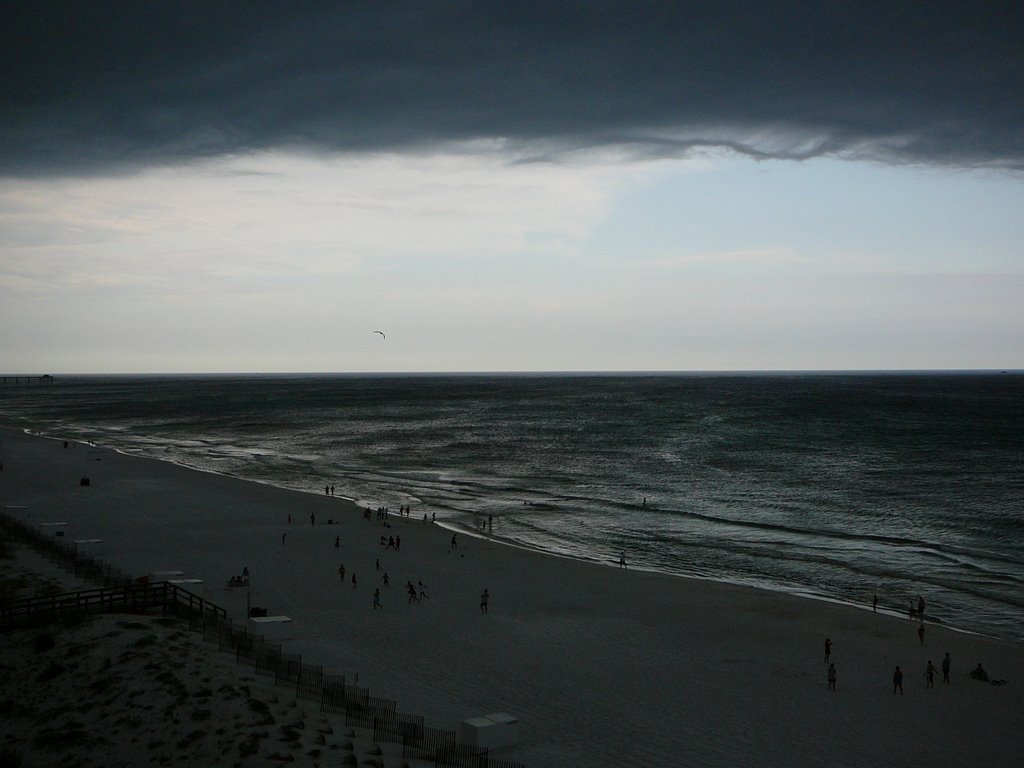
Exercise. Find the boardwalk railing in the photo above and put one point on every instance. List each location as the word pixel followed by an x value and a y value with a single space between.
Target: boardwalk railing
pixel 332 693
pixel 128 598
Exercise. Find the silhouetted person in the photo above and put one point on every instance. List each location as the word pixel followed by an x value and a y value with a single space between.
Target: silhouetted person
pixel 312 519
pixel 376 599
pixel 978 673
pixel 874 603
pixel 920 634
pixel 929 674
pixel 897 681
pixel 828 649
pixel 485 598
pixel 831 677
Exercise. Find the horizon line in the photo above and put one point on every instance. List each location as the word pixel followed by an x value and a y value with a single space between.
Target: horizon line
pixel 544 372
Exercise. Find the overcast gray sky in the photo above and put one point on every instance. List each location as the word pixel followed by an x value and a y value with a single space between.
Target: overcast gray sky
pixel 511 186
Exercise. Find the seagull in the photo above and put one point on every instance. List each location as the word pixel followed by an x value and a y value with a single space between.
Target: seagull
pixel 380 332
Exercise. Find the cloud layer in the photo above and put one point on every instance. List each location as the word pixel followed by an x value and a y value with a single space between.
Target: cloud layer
pixel 91 87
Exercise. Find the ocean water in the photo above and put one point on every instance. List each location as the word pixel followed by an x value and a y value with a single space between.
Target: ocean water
pixel 834 486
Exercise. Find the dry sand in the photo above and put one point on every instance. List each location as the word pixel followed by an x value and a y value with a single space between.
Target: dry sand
pixel 140 690
pixel 602 666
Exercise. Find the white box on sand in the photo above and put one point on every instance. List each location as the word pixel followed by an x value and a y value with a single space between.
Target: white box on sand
pixel 492 731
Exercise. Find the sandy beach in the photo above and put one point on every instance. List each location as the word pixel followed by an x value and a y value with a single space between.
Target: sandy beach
pixel 602 666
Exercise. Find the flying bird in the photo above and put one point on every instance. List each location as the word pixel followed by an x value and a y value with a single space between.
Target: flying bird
pixel 380 332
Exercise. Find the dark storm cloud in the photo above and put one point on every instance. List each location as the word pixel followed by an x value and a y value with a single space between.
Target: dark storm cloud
pixel 92 86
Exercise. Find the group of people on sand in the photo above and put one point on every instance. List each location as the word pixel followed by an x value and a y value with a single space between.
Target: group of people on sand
pixel 930 671
pixel 929 675
pixel 416 592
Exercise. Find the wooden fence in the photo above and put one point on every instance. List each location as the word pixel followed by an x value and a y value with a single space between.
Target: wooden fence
pixel 128 598
pixel 332 693
pixel 64 552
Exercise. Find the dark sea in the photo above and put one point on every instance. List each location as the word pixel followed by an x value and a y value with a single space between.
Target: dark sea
pixel 833 486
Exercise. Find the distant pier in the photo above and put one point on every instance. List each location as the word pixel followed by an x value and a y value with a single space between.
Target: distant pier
pixel 6 379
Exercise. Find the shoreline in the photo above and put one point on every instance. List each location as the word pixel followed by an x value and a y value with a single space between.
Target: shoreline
pixel 601 666
pixel 465 529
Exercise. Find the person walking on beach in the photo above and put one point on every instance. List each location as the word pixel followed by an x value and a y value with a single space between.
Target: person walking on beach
pixel 920 633
pixel 831 677
pixel 341 572
pixel 387 581
pixel 411 590
pixel 828 649
pixel 354 581
pixel 946 664
pixel 874 603
pixel 423 591
pixel 378 563
pixel 337 541
pixel 284 536
pixel 622 559
pixel 920 608
pixel 454 544
pixel 929 675
pixel 376 599
pixel 897 681
pixel 484 599
pixel 312 519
